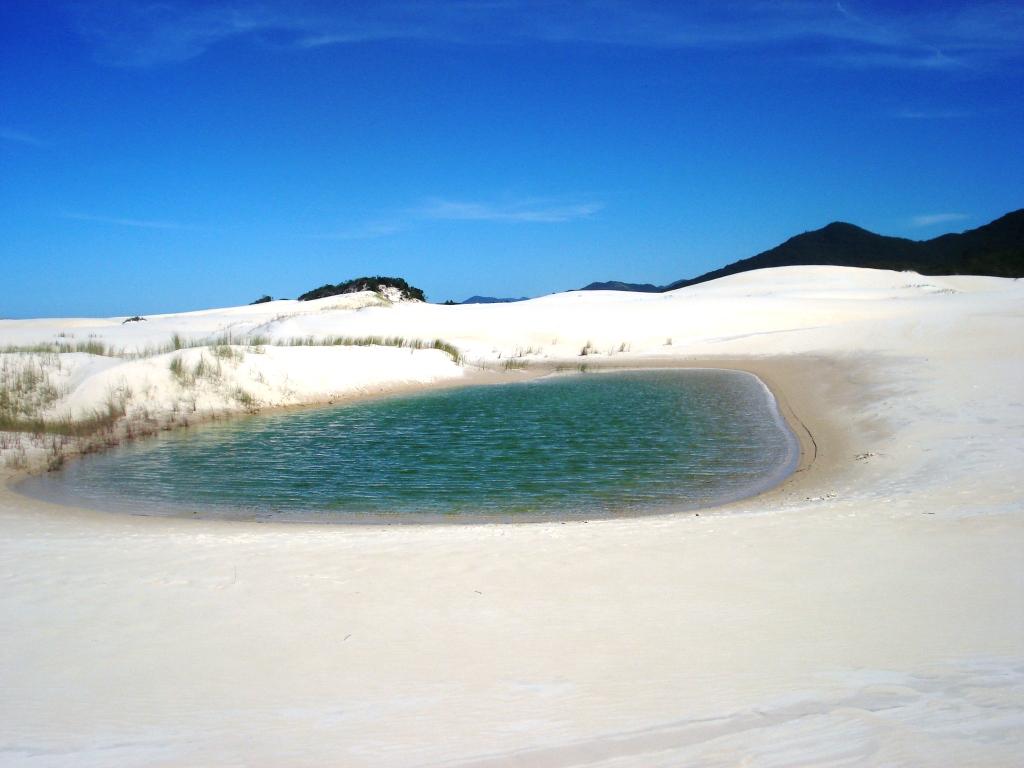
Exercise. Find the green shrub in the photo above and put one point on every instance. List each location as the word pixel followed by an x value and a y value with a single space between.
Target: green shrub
pixel 364 284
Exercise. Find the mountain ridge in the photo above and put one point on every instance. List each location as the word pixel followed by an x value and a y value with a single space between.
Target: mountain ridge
pixel 995 249
pixel 492 300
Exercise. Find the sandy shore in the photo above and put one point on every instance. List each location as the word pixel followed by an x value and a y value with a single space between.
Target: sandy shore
pixel 30 483
pixel 867 612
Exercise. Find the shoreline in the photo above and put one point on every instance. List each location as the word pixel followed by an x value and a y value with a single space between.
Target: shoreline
pixel 766 373
pixel 864 612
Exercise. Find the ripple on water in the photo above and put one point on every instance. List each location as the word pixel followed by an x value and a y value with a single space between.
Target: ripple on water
pixel 585 445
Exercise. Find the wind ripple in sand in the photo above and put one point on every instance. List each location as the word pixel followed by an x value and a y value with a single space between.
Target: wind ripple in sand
pixel 956 715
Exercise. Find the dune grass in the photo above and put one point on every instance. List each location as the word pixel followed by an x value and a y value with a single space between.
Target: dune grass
pixel 204 368
pixel 90 347
pixel 84 426
pixel 579 368
pixel 99 420
pixel 371 341
pixel 246 399
pixel 28 389
pixel 225 345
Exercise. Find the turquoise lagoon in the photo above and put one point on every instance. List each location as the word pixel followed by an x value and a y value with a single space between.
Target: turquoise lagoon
pixel 563 446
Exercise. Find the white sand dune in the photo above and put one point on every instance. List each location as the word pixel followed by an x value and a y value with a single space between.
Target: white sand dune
pixel 868 612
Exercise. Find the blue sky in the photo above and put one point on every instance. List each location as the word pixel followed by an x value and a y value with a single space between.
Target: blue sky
pixel 165 156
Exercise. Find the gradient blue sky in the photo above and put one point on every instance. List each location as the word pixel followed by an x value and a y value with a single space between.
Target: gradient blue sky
pixel 165 156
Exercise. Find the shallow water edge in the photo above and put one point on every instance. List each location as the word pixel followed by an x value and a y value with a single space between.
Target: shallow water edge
pixel 796 454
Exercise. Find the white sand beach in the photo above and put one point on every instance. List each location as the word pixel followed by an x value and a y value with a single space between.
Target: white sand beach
pixel 870 611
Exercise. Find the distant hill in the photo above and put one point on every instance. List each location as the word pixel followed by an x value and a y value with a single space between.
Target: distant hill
pixel 994 249
pixel 490 300
pixel 616 285
pixel 398 286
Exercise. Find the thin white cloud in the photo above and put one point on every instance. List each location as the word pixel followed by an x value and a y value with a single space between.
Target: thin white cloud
pixel 132 34
pixel 368 231
pixel 931 114
pixel 123 222
pixel 142 34
pixel 533 210
pixel 845 33
pixel 521 211
pixel 910 58
pixel 20 137
pixel 931 219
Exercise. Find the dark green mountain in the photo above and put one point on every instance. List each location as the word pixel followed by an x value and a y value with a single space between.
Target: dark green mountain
pixel 994 249
pixel 616 285
pixel 491 300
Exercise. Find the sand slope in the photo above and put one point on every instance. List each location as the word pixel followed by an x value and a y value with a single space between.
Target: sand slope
pixel 868 613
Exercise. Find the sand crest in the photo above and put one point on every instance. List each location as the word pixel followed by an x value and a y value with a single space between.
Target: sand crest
pixel 869 611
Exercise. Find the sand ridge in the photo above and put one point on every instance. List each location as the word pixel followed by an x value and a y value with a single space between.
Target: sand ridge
pixel 866 612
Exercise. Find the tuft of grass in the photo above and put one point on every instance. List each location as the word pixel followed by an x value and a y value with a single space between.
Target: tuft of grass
pixel 227 352
pixel 526 351
pixel 579 368
pixel 26 387
pixel 588 349
pixel 55 459
pixel 210 370
pixel 513 364
pixel 16 459
pixel 180 372
pixel 205 368
pixel 450 349
pixel 245 399
pixel 91 347
pixel 372 341
pixel 99 421
pixel 223 345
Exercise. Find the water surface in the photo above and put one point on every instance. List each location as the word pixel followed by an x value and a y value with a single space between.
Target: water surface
pixel 566 446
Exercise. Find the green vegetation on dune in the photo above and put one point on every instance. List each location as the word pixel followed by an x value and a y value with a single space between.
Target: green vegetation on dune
pixel 28 388
pixel 371 341
pixel 365 284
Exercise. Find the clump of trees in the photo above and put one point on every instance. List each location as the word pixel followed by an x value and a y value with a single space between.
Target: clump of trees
pixel 365 284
